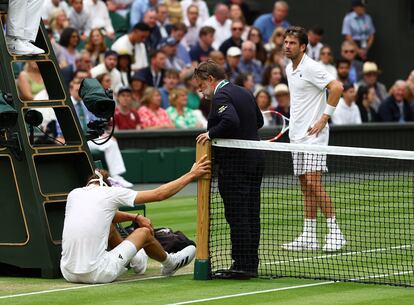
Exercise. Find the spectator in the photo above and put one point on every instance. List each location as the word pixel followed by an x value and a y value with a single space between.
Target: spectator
pixel 218 57
pixel 235 40
pixel 248 62
pixel 52 5
pixel 124 67
pixel 133 43
pixel 171 80
pixel 99 14
pixel 154 74
pixel 276 40
pixel 105 80
pixel 138 9
pixel 348 52
pixel 180 115
pixel 255 36
pixel 282 95
pixel 364 100
pixel 178 31
pixel 58 21
pixel 370 74
pixel 202 9
pixel 69 40
pixel 272 76
pixel 326 60
pixel 277 57
pixel 57 48
pixel 193 98
pixel 150 19
pixel 342 68
pixel 246 80
pixel 410 90
pixel 193 27
pixel 169 47
pixel 203 47
pixel 347 112
pixel 314 45
pixel 263 100
pixel 30 81
pixel 359 28
pixel 96 46
pixel 126 117
pixel 267 23
pixel 175 11
pixel 244 9
pixel 152 116
pixel 232 65
pixel 79 19
pixel 82 63
pixel 109 66
pixel 138 87
pixel 121 7
pixel 162 20
pixel 395 108
pixel 221 23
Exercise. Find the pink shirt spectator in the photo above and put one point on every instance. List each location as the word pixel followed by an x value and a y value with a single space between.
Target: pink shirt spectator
pixel 158 118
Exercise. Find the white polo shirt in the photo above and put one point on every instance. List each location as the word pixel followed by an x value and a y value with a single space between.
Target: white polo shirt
pixel 346 115
pixel 307 86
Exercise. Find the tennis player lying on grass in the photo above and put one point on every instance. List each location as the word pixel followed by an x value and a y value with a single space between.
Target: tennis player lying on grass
pixel 91 212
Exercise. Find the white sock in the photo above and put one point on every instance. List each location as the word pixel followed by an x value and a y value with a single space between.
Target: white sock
pixel 168 261
pixel 332 225
pixel 309 226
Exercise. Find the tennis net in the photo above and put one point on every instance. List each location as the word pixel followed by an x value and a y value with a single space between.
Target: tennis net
pixel 371 192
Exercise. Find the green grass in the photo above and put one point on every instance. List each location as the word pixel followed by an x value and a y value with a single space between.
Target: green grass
pixel 132 289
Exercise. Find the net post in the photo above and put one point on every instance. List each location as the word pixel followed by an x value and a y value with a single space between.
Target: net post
pixel 202 261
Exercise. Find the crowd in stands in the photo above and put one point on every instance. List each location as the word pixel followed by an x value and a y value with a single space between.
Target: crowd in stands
pixel 146 51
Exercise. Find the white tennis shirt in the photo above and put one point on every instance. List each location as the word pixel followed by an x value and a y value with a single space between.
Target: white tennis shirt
pixel 88 216
pixel 307 86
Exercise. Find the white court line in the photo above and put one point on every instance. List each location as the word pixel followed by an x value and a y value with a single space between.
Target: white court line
pixel 252 293
pixel 84 286
pixel 380 276
pixel 339 254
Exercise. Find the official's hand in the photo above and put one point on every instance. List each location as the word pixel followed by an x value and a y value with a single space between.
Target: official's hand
pixel 145 222
pixel 319 125
pixel 203 138
pixel 201 167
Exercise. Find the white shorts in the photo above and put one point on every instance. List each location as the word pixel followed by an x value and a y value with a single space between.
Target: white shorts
pixel 109 267
pixel 309 162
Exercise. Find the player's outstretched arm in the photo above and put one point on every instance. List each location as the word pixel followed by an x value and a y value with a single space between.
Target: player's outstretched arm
pixel 200 168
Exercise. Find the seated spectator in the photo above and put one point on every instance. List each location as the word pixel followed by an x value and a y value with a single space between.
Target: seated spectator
pixel 267 23
pixel 105 80
pixel 359 28
pixel 126 117
pixel 282 95
pixel 203 47
pixel 109 66
pixel 58 21
pixel 221 22
pixel 242 11
pixel 410 90
pixel 96 47
pixel 245 80
pixel 364 100
pixel 180 115
pixel 232 65
pixel 347 112
pixel 170 80
pixel 370 74
pixel 235 40
pixel 154 74
pixel 342 68
pixel 218 57
pixel 248 62
pixel 314 46
pixel 349 52
pixel 276 40
pixel 264 101
pixel 163 23
pixel 82 63
pixel 121 7
pixel 69 40
pixel 203 14
pixel 169 47
pixel 395 108
pixel 151 114
pixel 153 40
pixel 138 87
pixel 100 19
pixel 133 43
pixel 57 48
pixel 272 76
pixel 326 60
pixel 49 6
pixel 255 36
pixel 178 31
pixel 278 57
pixel 30 81
pixel 193 27
pixel 138 9
pixel 193 97
pixel 79 19
pixel 175 11
pixel 124 67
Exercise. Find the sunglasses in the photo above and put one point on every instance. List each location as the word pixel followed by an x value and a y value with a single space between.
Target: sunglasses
pixel 237 29
pixel 349 51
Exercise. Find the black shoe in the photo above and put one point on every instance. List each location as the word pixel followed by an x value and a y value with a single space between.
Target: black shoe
pixel 233 274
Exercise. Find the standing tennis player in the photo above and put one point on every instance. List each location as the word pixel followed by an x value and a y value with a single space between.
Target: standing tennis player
pixel 310 111
pixel 234 114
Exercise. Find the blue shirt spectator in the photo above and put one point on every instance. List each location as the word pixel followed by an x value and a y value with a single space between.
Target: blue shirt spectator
pixel 248 64
pixel 138 9
pixel 267 23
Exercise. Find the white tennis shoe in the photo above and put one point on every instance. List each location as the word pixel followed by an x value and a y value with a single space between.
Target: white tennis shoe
pixel 122 182
pixel 139 262
pixel 334 242
pixel 35 50
pixel 18 46
pixel 304 242
pixel 178 260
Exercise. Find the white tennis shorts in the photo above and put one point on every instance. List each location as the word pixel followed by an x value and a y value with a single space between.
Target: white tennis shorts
pixel 309 162
pixel 109 267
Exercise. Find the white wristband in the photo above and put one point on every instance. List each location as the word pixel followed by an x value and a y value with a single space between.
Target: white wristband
pixel 329 110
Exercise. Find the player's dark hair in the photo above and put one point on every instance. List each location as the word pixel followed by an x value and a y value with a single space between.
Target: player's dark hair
pixel 298 32
pixel 209 68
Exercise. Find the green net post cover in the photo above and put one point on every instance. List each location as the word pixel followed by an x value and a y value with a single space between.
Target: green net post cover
pixel 202 269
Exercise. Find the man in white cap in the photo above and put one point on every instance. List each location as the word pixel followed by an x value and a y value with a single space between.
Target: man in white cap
pixel 282 95
pixel 233 60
